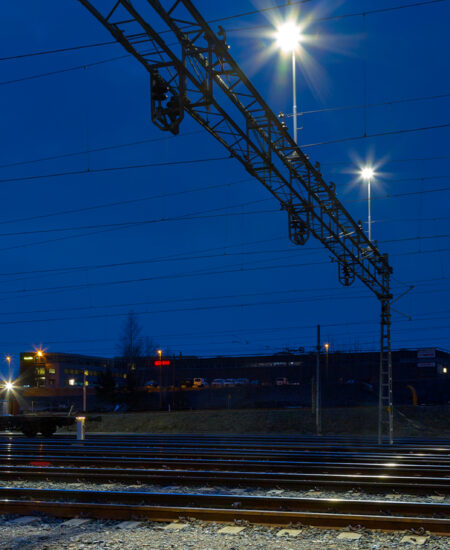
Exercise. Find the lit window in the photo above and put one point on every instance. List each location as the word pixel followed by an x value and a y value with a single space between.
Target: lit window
pixel 444 370
pixel 72 382
pixel 51 371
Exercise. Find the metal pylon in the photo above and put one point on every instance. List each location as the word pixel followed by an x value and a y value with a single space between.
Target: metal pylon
pixel 385 405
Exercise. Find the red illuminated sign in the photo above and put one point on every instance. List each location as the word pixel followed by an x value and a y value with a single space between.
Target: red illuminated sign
pixel 164 363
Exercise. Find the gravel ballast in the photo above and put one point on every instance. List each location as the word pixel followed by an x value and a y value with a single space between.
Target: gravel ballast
pixel 50 534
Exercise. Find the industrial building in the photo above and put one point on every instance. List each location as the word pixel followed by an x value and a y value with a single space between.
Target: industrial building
pixel 420 376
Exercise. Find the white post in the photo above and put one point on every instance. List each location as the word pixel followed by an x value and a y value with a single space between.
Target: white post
pixel 370 217
pixel 80 427
pixel 294 96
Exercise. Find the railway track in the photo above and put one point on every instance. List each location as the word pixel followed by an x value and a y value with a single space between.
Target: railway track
pixel 329 513
pixel 261 462
pixel 293 481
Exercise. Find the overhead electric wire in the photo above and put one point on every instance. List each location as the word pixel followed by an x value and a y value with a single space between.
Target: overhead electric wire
pixel 201 215
pixel 370 105
pixel 244 330
pixel 378 134
pixel 125 202
pixel 307 291
pixel 127 224
pixel 204 272
pixel 389 160
pixel 227 18
pixel 100 149
pixel 40 273
pixel 61 71
pixel 114 169
pixel 193 132
pixel 98 232
pixel 214 307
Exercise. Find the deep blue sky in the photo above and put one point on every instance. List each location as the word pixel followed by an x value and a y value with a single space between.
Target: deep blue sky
pixel 278 291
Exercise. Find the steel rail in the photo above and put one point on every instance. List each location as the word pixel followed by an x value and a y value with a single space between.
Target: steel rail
pixel 410 445
pixel 388 515
pixel 230 464
pixel 210 452
pixel 215 451
pixel 368 483
pixel 442 446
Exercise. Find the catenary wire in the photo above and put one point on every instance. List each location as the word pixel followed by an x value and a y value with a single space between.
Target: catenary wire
pixel 115 168
pixel 227 18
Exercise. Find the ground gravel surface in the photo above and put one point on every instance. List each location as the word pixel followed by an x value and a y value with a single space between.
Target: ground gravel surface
pixel 245 491
pixel 51 534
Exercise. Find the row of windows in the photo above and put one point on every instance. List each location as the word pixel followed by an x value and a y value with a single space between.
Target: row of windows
pixel 81 371
pixel 41 370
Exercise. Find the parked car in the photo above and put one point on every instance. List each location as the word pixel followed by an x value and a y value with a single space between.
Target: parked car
pixel 187 383
pixel 281 381
pixel 218 383
pixel 200 383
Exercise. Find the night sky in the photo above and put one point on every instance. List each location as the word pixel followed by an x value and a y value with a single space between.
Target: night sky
pixel 225 279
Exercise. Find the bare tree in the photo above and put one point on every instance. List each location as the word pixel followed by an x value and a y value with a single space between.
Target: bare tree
pixel 131 341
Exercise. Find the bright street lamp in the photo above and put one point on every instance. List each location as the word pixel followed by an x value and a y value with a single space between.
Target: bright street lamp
pixel 288 38
pixel 367 174
pixel 9 386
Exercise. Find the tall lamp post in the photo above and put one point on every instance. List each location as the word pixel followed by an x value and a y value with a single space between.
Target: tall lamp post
pixel 367 174
pixel 85 373
pixel 8 358
pixel 327 347
pixel 288 38
pixel 160 377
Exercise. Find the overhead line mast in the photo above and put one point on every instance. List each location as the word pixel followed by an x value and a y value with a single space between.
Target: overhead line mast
pixel 200 77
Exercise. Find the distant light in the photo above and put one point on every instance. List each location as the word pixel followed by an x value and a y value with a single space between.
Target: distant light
pixel 9 386
pixel 28 358
pixel 160 363
pixel 72 382
pixel 159 352
pixel 40 353
pixel 444 370
pixel 326 346
pixel 288 36
pixel 367 173
pixel 8 358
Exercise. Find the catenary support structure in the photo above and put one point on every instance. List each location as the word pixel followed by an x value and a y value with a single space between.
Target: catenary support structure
pixel 192 71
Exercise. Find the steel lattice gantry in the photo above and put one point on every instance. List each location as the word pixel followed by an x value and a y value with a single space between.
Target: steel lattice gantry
pixel 191 71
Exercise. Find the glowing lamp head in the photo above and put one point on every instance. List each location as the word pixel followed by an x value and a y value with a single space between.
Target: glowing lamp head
pixel 8 358
pixel 40 353
pixel 327 346
pixel 367 173
pixel 160 352
pixel 288 36
pixel 9 386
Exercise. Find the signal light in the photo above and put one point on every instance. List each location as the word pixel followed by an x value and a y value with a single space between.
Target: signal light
pixel 159 89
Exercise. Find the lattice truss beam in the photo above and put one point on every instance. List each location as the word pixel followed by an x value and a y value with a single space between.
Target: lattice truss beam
pixel 191 70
